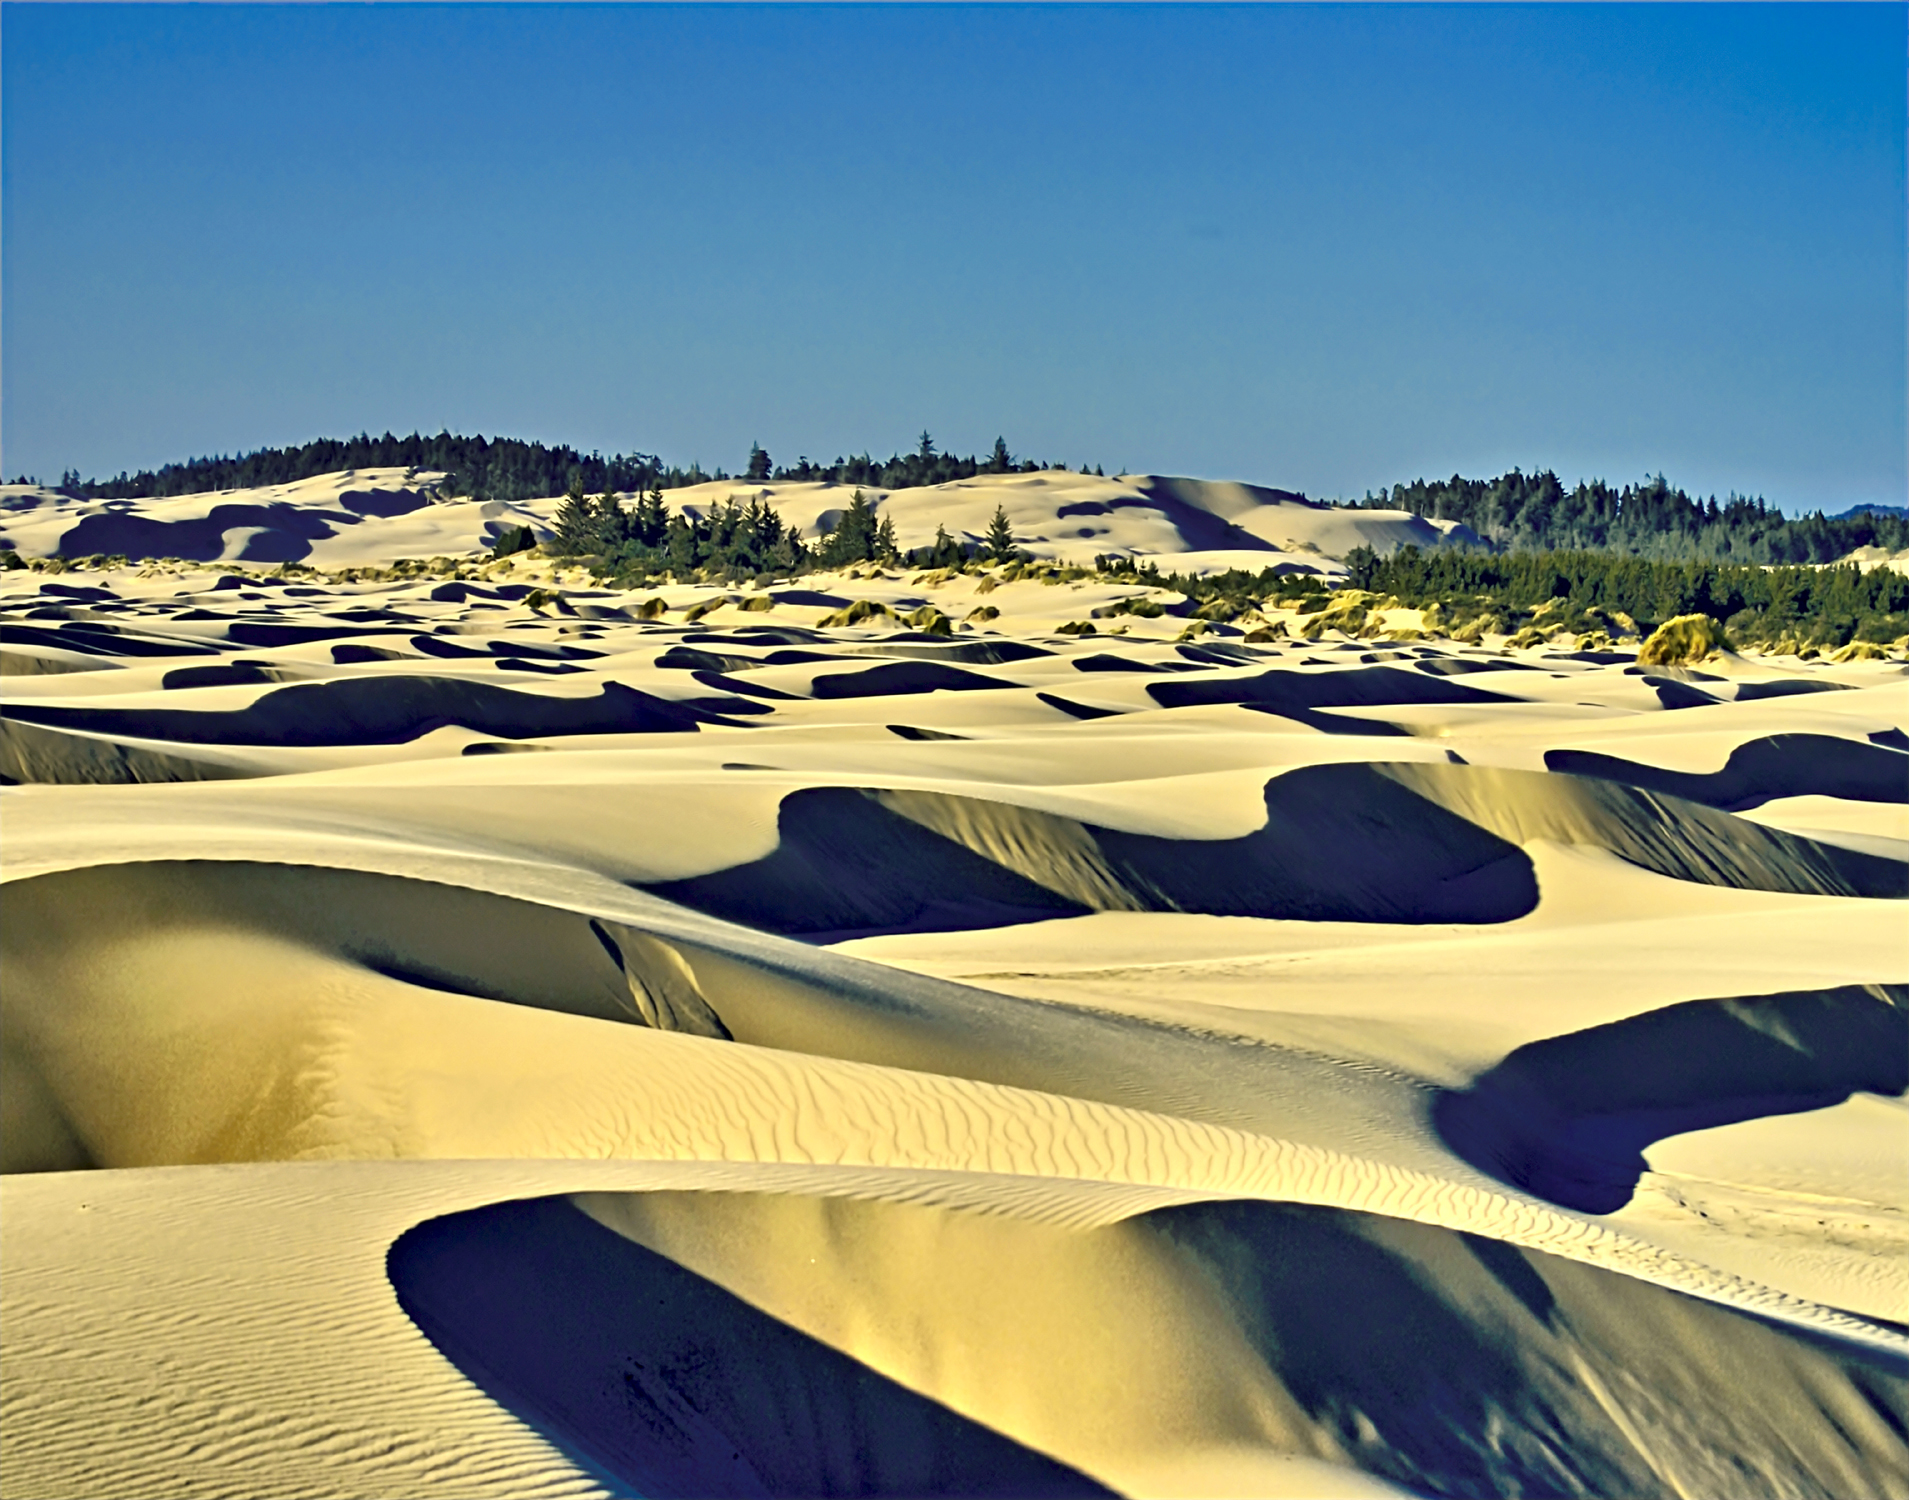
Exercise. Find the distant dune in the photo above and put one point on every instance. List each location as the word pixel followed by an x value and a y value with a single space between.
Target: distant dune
pixel 470 1031
pixel 368 516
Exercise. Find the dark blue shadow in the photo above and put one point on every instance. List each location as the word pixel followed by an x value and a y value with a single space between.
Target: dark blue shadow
pixel 673 1386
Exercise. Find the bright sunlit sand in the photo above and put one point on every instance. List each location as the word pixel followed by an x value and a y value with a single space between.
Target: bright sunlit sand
pixel 466 1041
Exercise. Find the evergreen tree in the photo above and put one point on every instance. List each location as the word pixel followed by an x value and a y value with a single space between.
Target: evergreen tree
pixel 608 522
pixel 884 542
pixel 1000 536
pixel 681 542
pixel 946 551
pixel 1000 461
pixel 513 539
pixel 760 468
pixel 853 539
pixel 649 524
pixel 575 523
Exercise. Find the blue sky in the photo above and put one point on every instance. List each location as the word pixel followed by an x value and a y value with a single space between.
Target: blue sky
pixel 1321 248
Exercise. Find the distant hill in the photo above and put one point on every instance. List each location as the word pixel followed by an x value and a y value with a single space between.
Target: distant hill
pixel 511 469
pixel 370 517
pixel 1512 512
pixel 485 468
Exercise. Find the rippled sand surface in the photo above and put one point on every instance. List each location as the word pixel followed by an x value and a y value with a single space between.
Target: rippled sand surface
pixel 455 1047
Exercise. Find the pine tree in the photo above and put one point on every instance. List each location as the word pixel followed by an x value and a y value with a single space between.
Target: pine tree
pixel 609 522
pixel 853 539
pixel 650 522
pixel 1000 461
pixel 884 541
pixel 1000 536
pixel 683 551
pixel 946 552
pixel 576 526
pixel 760 468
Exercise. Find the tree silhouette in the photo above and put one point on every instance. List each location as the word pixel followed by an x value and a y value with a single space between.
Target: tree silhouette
pixel 945 551
pixel 649 524
pixel 1000 536
pixel 853 539
pixel 575 523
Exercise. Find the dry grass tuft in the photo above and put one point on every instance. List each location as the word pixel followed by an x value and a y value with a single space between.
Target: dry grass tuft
pixel 1686 638
pixel 856 613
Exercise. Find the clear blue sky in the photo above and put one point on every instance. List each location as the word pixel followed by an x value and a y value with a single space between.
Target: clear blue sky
pixel 1319 248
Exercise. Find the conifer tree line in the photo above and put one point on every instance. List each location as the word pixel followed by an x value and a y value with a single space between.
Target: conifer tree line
pixel 1825 605
pixel 509 469
pixel 480 467
pixel 1535 512
pixel 925 466
pixel 738 538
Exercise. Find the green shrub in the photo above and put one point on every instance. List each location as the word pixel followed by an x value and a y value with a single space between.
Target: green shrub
pixel 513 539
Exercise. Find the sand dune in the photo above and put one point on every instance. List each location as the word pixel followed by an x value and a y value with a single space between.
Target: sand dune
pixel 371 516
pixel 453 1047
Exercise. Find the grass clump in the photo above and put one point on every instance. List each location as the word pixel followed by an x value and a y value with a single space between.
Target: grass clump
pixel 859 612
pixel 931 621
pixel 1682 639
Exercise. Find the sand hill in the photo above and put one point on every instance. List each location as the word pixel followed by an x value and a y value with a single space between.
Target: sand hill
pixel 464 1040
pixel 371 516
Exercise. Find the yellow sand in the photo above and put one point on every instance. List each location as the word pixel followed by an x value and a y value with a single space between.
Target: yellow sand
pixel 269 1003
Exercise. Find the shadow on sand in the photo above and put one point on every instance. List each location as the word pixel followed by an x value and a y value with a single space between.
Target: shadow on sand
pixel 1568 1118
pixel 673 1386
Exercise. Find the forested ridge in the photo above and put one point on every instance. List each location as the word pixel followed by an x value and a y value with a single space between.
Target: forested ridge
pixel 511 469
pixel 1535 512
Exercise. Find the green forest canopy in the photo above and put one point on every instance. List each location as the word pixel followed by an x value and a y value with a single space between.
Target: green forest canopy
pixel 1520 512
